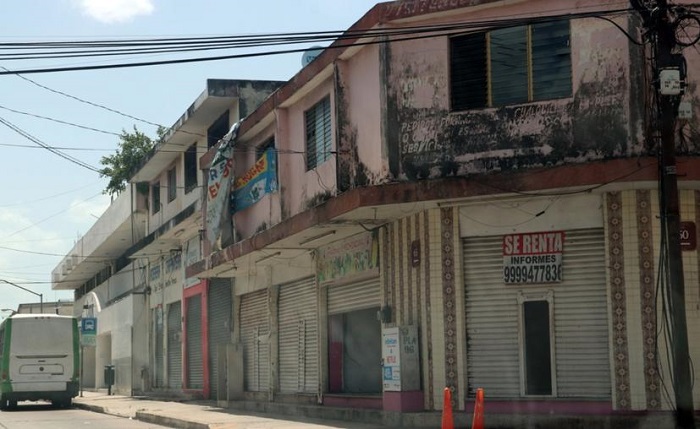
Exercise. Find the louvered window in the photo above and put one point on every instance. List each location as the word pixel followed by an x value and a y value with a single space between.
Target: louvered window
pixel 155 198
pixel 510 65
pixel 172 184
pixel 318 133
pixel 191 168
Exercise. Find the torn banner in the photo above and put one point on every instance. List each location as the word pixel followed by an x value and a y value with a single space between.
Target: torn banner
pixel 219 184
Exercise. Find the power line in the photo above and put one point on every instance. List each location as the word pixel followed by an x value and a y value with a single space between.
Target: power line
pixel 45 219
pixel 34 115
pixel 405 34
pixel 45 198
pixel 81 100
pixel 46 146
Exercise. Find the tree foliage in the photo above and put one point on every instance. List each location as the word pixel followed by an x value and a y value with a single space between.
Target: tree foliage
pixel 134 148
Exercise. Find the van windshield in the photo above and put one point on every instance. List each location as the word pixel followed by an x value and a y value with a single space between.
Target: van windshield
pixel 33 337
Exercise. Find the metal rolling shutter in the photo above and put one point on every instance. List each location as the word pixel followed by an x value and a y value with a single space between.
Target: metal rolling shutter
pixel 354 296
pixel 160 346
pixel 255 330
pixel 492 321
pixel 219 326
pixel 174 345
pixel 298 341
pixel 195 361
pixel 580 319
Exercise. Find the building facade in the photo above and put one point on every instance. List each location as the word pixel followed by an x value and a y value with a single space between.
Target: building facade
pixel 456 194
pixel 488 186
pixel 188 316
pixel 106 287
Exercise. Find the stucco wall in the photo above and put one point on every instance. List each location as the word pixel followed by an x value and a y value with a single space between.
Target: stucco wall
pixel 432 141
pixel 302 189
pixel 361 159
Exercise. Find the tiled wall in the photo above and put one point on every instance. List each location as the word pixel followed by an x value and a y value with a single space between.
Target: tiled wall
pixel 641 377
pixel 429 294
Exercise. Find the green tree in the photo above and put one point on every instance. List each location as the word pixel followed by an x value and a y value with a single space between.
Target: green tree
pixel 134 149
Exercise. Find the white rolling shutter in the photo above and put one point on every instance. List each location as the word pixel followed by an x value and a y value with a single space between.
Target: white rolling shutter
pixel 492 321
pixel 195 357
pixel 580 319
pixel 354 296
pixel 175 345
pixel 219 306
pixel 159 346
pixel 298 337
pixel 255 335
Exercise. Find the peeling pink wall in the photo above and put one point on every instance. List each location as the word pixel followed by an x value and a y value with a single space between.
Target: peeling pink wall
pixel 592 124
pixel 299 187
pixel 359 111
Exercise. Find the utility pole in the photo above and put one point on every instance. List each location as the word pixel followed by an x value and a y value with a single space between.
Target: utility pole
pixel 658 22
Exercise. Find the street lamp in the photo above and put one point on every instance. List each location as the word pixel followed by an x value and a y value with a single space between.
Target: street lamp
pixel 12 312
pixel 41 296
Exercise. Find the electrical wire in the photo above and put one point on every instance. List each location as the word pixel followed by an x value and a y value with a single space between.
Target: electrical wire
pixel 34 115
pixel 356 38
pixel 47 147
pixel 41 199
pixel 81 100
pixel 49 217
pixel 491 184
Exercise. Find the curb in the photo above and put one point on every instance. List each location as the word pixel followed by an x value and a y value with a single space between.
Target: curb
pixel 171 422
pixel 146 417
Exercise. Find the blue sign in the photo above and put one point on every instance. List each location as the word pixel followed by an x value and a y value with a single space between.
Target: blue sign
pixel 260 180
pixel 88 326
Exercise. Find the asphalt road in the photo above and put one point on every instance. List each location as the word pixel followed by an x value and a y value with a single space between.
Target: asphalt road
pixel 39 415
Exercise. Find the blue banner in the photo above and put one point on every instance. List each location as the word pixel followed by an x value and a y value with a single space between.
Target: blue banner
pixel 260 180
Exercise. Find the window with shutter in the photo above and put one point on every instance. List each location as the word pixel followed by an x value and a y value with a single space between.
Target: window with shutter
pixel 510 66
pixel 191 168
pixel 318 133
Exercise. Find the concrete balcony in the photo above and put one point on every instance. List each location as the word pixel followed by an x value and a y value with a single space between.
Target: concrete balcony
pixel 119 227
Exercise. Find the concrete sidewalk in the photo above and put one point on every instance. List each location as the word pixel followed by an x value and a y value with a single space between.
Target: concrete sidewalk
pixel 199 415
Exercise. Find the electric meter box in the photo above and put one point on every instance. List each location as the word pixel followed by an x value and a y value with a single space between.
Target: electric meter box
pixel 670 82
pixel 685 110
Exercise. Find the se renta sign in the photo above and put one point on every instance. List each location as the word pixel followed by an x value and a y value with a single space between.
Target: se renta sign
pixel 534 257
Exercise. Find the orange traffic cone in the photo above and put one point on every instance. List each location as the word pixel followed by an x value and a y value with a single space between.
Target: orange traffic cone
pixel 478 420
pixel 447 420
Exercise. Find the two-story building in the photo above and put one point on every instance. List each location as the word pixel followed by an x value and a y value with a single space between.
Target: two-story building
pixel 480 174
pixel 188 316
pixel 155 326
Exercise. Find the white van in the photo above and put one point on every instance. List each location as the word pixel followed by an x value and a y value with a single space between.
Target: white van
pixel 39 359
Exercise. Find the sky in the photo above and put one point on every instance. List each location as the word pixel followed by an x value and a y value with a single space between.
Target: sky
pixel 46 202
